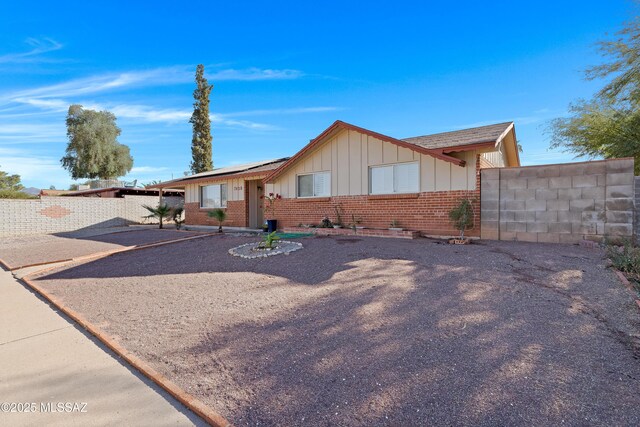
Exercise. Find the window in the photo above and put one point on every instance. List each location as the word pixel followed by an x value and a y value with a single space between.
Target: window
pixel 398 178
pixel 314 185
pixel 213 196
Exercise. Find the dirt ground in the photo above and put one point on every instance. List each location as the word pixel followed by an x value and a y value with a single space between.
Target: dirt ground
pixel 45 248
pixel 370 331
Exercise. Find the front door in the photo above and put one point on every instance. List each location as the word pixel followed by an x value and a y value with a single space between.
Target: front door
pixel 255 203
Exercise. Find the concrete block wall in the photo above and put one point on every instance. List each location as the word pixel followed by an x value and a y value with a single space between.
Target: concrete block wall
pixel 59 214
pixel 562 203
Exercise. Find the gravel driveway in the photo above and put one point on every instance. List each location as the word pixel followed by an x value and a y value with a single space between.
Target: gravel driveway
pixel 369 331
pixel 46 248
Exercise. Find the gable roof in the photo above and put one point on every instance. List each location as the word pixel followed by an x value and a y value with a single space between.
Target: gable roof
pixel 339 125
pixel 248 169
pixel 460 138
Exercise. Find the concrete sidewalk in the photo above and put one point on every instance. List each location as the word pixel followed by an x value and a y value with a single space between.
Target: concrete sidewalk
pixel 45 359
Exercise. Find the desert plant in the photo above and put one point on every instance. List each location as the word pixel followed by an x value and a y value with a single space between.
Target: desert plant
pixel 626 258
pixel 270 208
pixel 219 215
pixel 394 223
pixel 354 222
pixel 326 223
pixel 462 216
pixel 267 240
pixel 176 216
pixel 15 194
pixel 338 211
pixel 161 212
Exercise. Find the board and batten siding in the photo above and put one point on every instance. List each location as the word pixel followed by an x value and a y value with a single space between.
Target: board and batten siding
pixel 349 154
pixel 235 190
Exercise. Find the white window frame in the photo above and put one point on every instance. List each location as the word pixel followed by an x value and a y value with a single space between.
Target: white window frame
pixel 223 203
pixel 393 165
pixel 328 173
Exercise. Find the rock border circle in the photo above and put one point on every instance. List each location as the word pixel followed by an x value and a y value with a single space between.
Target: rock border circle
pixel 246 251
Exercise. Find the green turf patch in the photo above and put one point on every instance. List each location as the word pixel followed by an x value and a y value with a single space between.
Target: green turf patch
pixel 293 235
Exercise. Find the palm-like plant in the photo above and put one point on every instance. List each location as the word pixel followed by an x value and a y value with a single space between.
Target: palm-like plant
pixel 161 212
pixel 219 215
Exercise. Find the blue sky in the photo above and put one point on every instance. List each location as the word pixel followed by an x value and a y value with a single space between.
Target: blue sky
pixel 284 71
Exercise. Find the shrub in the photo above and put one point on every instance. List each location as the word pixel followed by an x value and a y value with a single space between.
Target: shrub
pixel 462 216
pixel 625 258
pixel 13 194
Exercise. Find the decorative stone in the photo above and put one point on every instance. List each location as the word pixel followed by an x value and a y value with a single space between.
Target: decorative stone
pixel 252 250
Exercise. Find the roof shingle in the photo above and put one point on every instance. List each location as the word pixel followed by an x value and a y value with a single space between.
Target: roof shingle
pixel 490 133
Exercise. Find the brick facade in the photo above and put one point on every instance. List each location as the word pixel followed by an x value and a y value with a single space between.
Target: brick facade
pixel 237 214
pixel 426 212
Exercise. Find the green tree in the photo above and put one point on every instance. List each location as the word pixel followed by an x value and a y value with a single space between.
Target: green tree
pixel 201 140
pixel 93 150
pixel 608 125
pixel 10 182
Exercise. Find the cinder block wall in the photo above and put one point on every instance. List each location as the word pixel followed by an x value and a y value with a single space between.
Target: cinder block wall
pixel 562 203
pixel 58 214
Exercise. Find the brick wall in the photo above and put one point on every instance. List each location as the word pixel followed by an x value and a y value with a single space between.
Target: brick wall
pixel 236 214
pixel 559 203
pixel 424 212
pixel 59 214
pixel 427 212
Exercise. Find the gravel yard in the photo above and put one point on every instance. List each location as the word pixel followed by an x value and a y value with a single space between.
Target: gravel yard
pixel 369 331
pixel 45 248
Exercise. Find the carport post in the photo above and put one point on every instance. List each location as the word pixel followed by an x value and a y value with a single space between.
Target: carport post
pixel 160 198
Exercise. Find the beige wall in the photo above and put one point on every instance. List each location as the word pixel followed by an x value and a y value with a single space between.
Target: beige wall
pixel 496 158
pixel 349 154
pixel 235 190
pixel 563 203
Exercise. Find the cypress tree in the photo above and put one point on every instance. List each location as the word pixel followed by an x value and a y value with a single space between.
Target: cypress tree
pixel 201 140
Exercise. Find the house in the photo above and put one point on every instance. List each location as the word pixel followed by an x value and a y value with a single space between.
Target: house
pixel 237 189
pixel 371 177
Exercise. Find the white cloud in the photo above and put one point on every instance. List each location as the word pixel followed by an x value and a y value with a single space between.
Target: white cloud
pixel 21 133
pixel 281 111
pixel 251 74
pixel 38 47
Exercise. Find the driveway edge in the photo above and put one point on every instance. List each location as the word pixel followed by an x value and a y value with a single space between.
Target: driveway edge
pixel 107 252
pixel 627 285
pixel 191 402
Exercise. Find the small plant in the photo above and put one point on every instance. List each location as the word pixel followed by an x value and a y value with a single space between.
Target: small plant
pixel 354 222
pixel 326 223
pixel 270 208
pixel 161 212
pixel 394 224
pixel 338 211
pixel 176 216
pixel 626 258
pixel 267 240
pixel 219 215
pixel 462 216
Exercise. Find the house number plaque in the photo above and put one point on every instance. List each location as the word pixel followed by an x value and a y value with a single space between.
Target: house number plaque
pixel 237 188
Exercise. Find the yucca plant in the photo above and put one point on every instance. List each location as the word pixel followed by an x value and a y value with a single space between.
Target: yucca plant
pixel 161 212
pixel 267 241
pixel 219 215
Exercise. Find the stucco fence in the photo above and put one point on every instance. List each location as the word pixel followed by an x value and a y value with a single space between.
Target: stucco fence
pixel 564 203
pixel 59 214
